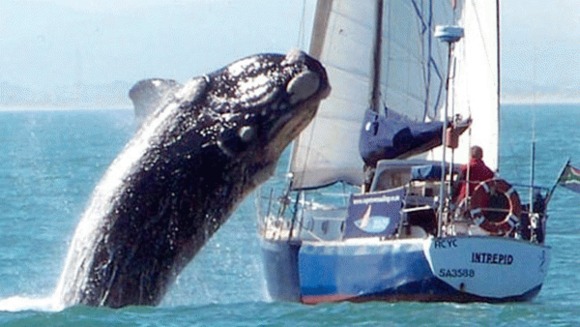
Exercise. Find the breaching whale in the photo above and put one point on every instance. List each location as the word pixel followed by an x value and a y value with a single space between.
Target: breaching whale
pixel 208 145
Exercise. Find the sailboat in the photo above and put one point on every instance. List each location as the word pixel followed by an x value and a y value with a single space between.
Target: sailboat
pixel 369 212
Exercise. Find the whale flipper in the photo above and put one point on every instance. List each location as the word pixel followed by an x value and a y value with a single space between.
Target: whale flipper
pixel 149 94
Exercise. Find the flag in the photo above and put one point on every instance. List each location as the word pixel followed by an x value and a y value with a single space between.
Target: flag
pixel 570 178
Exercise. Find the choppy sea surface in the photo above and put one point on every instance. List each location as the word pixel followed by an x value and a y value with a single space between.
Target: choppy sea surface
pixel 50 162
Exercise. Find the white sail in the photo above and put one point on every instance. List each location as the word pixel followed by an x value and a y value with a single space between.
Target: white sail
pixel 412 80
pixel 414 63
pixel 327 150
pixel 475 84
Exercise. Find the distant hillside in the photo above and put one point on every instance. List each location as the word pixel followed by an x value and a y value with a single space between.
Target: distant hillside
pixel 115 95
pixel 514 91
pixel 110 95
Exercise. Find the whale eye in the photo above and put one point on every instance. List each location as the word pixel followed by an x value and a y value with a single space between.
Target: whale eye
pixel 247 133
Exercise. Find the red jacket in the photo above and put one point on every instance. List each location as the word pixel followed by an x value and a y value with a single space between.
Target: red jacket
pixel 478 172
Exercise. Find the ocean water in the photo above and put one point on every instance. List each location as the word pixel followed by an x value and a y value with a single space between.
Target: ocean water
pixel 51 160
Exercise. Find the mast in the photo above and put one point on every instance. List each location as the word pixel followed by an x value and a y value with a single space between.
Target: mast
pixel 498 91
pixel 532 172
pixel 450 35
pixel 377 58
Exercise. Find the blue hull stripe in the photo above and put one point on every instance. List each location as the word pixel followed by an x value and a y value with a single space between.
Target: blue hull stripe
pixel 313 274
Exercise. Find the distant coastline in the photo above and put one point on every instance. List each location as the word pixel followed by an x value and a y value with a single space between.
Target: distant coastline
pixel 540 99
pixel 34 107
pixel 510 101
pixel 114 95
pixel 573 103
pixel 109 95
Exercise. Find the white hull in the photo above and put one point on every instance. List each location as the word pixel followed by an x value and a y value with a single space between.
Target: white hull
pixel 494 267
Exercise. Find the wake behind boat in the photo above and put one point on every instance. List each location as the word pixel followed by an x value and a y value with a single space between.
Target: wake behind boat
pixel 399 229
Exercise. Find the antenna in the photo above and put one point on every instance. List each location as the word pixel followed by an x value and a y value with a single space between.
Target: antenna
pixel 533 164
pixel 301 28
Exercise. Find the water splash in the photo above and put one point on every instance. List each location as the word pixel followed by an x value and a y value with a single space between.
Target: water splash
pixel 88 232
pixel 20 303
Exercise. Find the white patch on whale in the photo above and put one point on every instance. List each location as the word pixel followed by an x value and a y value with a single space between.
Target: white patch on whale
pixel 242 66
pixel 293 56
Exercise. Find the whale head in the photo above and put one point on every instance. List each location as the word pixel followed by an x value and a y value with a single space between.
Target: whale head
pixel 264 102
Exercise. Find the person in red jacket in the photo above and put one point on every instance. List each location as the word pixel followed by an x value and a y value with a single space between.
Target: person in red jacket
pixel 473 173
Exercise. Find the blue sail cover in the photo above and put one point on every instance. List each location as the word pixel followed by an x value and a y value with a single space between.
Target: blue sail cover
pixel 395 137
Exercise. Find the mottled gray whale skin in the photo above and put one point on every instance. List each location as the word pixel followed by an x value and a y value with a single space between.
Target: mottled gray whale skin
pixel 193 160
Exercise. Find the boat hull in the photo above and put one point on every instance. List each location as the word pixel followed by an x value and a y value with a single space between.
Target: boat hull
pixel 454 269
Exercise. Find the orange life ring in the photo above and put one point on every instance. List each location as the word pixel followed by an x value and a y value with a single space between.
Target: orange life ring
pixel 480 200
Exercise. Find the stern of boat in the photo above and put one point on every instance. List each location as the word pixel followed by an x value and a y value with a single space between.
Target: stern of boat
pixel 490 269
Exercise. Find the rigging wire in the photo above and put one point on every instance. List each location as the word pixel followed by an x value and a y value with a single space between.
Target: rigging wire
pixel 301 41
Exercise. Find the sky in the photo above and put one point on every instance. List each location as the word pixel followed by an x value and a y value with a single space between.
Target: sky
pixel 47 44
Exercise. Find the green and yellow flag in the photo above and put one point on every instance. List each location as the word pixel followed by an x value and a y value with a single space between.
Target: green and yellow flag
pixel 570 178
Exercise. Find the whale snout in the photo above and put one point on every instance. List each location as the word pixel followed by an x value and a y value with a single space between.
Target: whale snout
pixel 310 81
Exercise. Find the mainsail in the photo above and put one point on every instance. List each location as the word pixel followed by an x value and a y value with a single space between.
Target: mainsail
pixel 412 80
pixel 474 87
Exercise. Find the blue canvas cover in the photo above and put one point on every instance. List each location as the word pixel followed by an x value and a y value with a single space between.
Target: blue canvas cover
pixel 426 173
pixel 395 137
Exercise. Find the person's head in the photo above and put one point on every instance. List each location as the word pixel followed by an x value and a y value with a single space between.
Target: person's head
pixel 476 152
